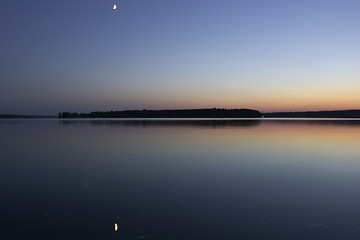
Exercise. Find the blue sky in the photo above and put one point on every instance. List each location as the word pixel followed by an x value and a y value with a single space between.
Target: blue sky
pixel 273 55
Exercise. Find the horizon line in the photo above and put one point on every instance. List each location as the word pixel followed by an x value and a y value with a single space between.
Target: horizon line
pixel 179 109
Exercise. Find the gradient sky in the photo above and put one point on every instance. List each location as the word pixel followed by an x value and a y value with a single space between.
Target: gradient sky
pixel 270 55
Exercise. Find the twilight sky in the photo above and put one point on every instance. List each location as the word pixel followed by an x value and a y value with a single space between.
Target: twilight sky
pixel 270 55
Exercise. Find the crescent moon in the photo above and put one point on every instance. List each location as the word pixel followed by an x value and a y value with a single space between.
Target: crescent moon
pixel 116 227
pixel 114 7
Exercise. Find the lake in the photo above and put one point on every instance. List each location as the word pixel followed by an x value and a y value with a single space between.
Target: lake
pixel 180 179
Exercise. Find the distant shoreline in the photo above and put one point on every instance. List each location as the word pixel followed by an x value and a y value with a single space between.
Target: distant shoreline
pixel 315 114
pixel 194 113
pixel 181 113
pixel 21 116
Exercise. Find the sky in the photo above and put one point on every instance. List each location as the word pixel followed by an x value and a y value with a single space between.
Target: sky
pixel 269 55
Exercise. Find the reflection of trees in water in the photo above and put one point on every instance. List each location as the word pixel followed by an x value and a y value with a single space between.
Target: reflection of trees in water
pixel 215 123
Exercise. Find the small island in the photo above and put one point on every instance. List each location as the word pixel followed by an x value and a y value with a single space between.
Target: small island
pixel 180 113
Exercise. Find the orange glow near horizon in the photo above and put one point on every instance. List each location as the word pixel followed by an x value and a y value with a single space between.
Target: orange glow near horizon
pixel 265 103
pixel 265 98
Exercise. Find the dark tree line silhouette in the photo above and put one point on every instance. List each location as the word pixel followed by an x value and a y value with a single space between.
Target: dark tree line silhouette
pixel 184 113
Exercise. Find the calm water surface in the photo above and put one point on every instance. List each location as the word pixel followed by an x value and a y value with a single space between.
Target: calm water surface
pixel 185 179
